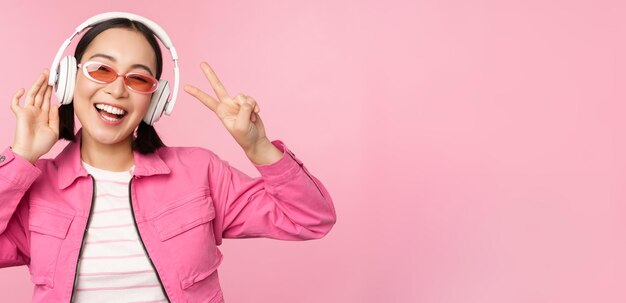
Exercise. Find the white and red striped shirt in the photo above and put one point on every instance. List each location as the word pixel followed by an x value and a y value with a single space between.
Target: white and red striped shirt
pixel 114 266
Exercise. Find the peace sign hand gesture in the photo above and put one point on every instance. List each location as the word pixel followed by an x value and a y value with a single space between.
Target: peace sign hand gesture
pixel 240 116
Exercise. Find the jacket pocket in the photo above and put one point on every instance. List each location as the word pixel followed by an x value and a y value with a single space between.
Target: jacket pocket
pixel 48 229
pixel 186 232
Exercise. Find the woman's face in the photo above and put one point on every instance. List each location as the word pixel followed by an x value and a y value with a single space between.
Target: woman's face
pixel 126 51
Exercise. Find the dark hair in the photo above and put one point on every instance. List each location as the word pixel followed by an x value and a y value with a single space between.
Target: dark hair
pixel 146 140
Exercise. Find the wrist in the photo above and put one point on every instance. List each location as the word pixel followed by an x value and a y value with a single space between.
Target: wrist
pixel 23 154
pixel 264 153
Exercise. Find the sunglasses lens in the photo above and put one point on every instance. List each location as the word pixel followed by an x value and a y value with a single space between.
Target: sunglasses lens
pixel 100 72
pixel 141 83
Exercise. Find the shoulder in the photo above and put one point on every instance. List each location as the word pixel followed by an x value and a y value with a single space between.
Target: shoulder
pixel 47 165
pixel 173 151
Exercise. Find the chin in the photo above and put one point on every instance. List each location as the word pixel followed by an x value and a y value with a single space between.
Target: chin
pixel 109 136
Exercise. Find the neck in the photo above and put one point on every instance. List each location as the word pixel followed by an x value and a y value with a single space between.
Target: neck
pixel 112 157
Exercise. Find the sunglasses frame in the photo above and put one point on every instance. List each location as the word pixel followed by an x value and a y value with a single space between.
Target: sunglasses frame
pixel 83 67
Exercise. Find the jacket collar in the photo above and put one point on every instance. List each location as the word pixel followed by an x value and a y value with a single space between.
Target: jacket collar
pixel 70 167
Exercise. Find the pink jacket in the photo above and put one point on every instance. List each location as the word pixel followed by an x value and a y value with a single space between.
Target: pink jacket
pixel 184 200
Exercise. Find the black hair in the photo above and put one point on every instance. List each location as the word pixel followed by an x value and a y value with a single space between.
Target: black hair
pixel 146 140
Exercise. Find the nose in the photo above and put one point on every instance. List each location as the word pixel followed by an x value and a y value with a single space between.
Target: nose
pixel 117 88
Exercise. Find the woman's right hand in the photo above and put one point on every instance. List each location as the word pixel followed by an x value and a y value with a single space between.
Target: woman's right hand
pixel 37 121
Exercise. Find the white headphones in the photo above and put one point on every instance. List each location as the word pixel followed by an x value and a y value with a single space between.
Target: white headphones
pixel 64 79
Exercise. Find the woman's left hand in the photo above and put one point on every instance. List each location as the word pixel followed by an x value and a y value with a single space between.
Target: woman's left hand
pixel 239 114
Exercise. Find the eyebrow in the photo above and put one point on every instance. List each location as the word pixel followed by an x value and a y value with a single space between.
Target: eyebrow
pixel 136 65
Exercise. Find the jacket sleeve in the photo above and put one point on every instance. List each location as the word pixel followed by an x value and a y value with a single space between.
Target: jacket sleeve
pixel 287 202
pixel 16 177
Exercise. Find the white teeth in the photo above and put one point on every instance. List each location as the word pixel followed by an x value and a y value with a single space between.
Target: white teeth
pixel 110 109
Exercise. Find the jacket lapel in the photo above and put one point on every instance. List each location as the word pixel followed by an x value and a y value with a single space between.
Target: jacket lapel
pixel 70 167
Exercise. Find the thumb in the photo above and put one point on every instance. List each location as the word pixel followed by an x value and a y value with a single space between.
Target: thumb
pixel 243 117
pixel 15 102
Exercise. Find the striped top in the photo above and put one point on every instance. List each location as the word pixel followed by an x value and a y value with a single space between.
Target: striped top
pixel 114 266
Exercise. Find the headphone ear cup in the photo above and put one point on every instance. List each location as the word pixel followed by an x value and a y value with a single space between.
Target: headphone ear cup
pixel 66 80
pixel 160 97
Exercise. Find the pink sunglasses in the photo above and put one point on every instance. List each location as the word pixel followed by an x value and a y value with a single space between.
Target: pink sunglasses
pixel 102 73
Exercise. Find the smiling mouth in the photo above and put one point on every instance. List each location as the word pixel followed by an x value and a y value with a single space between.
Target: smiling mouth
pixel 110 113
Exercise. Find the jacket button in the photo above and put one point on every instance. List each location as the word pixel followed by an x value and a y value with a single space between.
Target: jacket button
pixel 2 158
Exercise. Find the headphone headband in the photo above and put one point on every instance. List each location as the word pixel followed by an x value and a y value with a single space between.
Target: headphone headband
pixel 165 39
pixel 158 31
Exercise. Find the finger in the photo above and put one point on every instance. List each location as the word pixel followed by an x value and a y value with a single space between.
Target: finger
pixel 53 119
pixel 243 117
pixel 40 95
pixel 46 99
pixel 202 96
pixel 30 98
pixel 15 102
pixel 216 84
pixel 42 90
pixel 257 109
pixel 251 101
pixel 240 99
pixel 259 123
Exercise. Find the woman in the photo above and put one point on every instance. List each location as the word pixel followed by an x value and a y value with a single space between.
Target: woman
pixel 119 217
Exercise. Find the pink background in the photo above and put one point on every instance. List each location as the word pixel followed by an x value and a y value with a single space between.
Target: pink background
pixel 474 149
